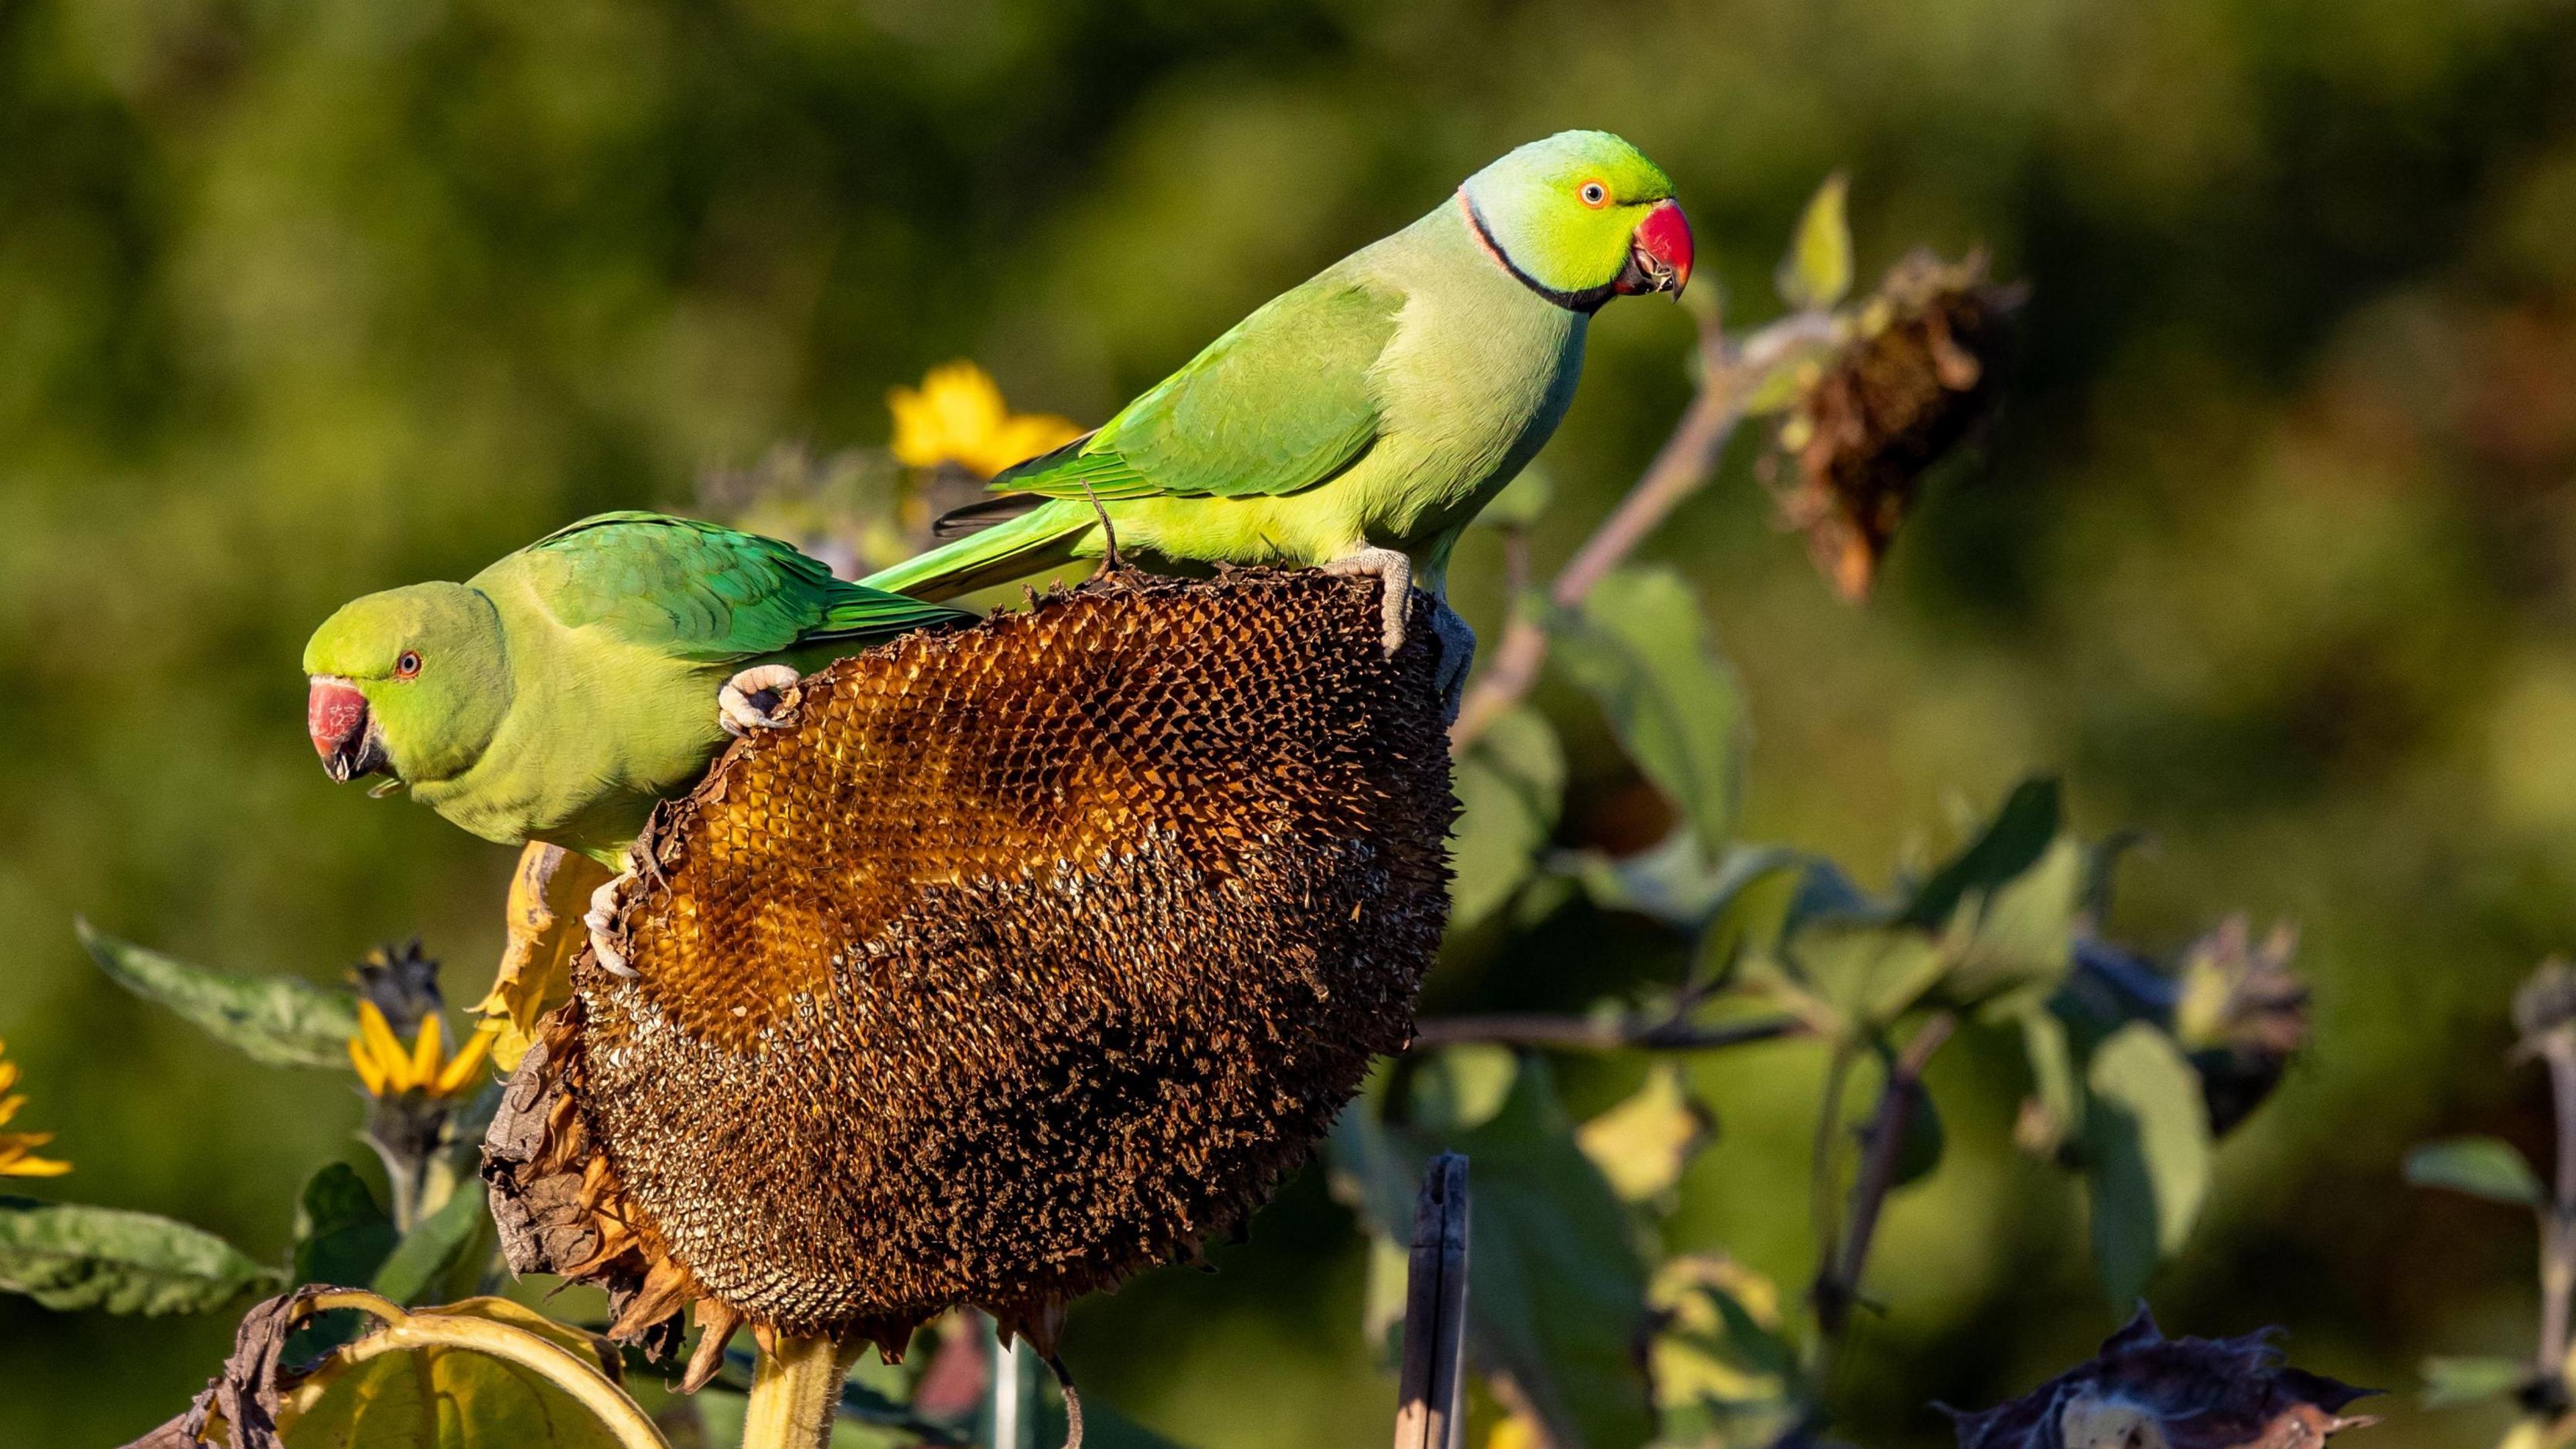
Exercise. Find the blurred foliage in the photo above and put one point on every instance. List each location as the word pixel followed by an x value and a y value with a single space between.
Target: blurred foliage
pixel 2270 558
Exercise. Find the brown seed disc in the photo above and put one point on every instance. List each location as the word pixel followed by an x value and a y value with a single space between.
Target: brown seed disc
pixel 1026 955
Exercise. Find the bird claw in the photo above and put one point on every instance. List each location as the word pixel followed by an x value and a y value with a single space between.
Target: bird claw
pixel 1457 656
pixel 762 697
pixel 607 904
pixel 1395 572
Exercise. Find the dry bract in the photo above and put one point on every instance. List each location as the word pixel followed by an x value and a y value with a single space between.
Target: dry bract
pixel 1026 957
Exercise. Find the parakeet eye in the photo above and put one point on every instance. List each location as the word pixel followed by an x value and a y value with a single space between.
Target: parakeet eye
pixel 1594 194
pixel 407 666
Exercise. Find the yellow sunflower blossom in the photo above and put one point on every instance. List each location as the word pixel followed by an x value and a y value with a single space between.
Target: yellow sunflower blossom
pixel 388 1068
pixel 957 416
pixel 18 1149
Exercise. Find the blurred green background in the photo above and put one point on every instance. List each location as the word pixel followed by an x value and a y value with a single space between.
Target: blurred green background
pixel 2270 552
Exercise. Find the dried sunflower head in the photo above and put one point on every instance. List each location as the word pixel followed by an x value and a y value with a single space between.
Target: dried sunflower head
pixel 1914 374
pixel 2242 1013
pixel 1026 957
pixel 2146 1391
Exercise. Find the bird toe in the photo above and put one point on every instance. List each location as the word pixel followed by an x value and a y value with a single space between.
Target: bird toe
pixel 759 698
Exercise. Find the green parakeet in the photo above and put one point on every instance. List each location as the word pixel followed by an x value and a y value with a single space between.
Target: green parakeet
pixel 1361 419
pixel 560 692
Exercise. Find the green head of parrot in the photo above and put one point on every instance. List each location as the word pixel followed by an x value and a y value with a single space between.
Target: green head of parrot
pixel 412 682
pixel 1581 216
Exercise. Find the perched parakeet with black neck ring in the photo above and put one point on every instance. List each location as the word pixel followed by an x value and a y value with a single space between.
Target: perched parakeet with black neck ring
pixel 1359 420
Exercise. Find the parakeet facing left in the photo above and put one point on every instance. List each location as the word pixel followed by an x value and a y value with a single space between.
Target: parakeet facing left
pixel 559 693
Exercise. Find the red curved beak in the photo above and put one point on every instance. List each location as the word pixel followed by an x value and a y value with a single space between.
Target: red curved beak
pixel 336 716
pixel 1659 252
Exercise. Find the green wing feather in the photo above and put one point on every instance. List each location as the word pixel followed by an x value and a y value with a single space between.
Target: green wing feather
pixel 1281 403
pixel 704 591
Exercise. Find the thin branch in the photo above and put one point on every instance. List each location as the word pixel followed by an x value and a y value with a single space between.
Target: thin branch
pixel 1838 1281
pixel 1591 1034
pixel 1728 377
pixel 2558 1218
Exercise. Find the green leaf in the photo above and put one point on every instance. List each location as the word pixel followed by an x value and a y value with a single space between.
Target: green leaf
pixel 1642 649
pixel 1510 784
pixel 2479 1166
pixel 1461 1087
pixel 1818 269
pixel 1752 912
pixel 1556 1294
pixel 277 1021
pixel 1556 1291
pixel 1673 880
pixel 2053 1081
pixel 1826 894
pixel 2146 1143
pixel 1643 1144
pixel 2449 1381
pixel 1925 1139
pixel 444 1397
pixel 2020 833
pixel 1724 1374
pixel 439 1248
pixel 68 1256
pixel 1869 975
pixel 2012 948
pixel 341 1236
pixel 1390 1280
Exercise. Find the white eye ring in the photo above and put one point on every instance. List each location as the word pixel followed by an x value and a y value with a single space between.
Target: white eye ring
pixel 1593 193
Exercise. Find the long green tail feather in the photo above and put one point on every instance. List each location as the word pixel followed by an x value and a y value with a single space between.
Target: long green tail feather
pixel 1033 542
pixel 870 614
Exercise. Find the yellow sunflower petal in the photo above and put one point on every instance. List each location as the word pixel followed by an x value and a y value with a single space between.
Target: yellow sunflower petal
pixel 18 1159
pixel 428 1049
pixel 9 1106
pixel 459 1072
pixel 955 416
pixel 385 1047
pixel 370 1075
pixel 916 439
pixel 1021 438
pixel 8 1071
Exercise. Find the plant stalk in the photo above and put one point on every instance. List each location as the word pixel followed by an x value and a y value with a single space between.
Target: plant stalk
pixel 2558 1218
pixel 795 1392
pixel 1838 1281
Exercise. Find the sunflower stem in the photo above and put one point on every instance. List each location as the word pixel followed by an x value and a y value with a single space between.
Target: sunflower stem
pixel 795 1392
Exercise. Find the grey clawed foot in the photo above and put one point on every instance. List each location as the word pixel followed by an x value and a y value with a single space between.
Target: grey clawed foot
pixel 1457 656
pixel 1395 573
pixel 759 698
pixel 602 919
